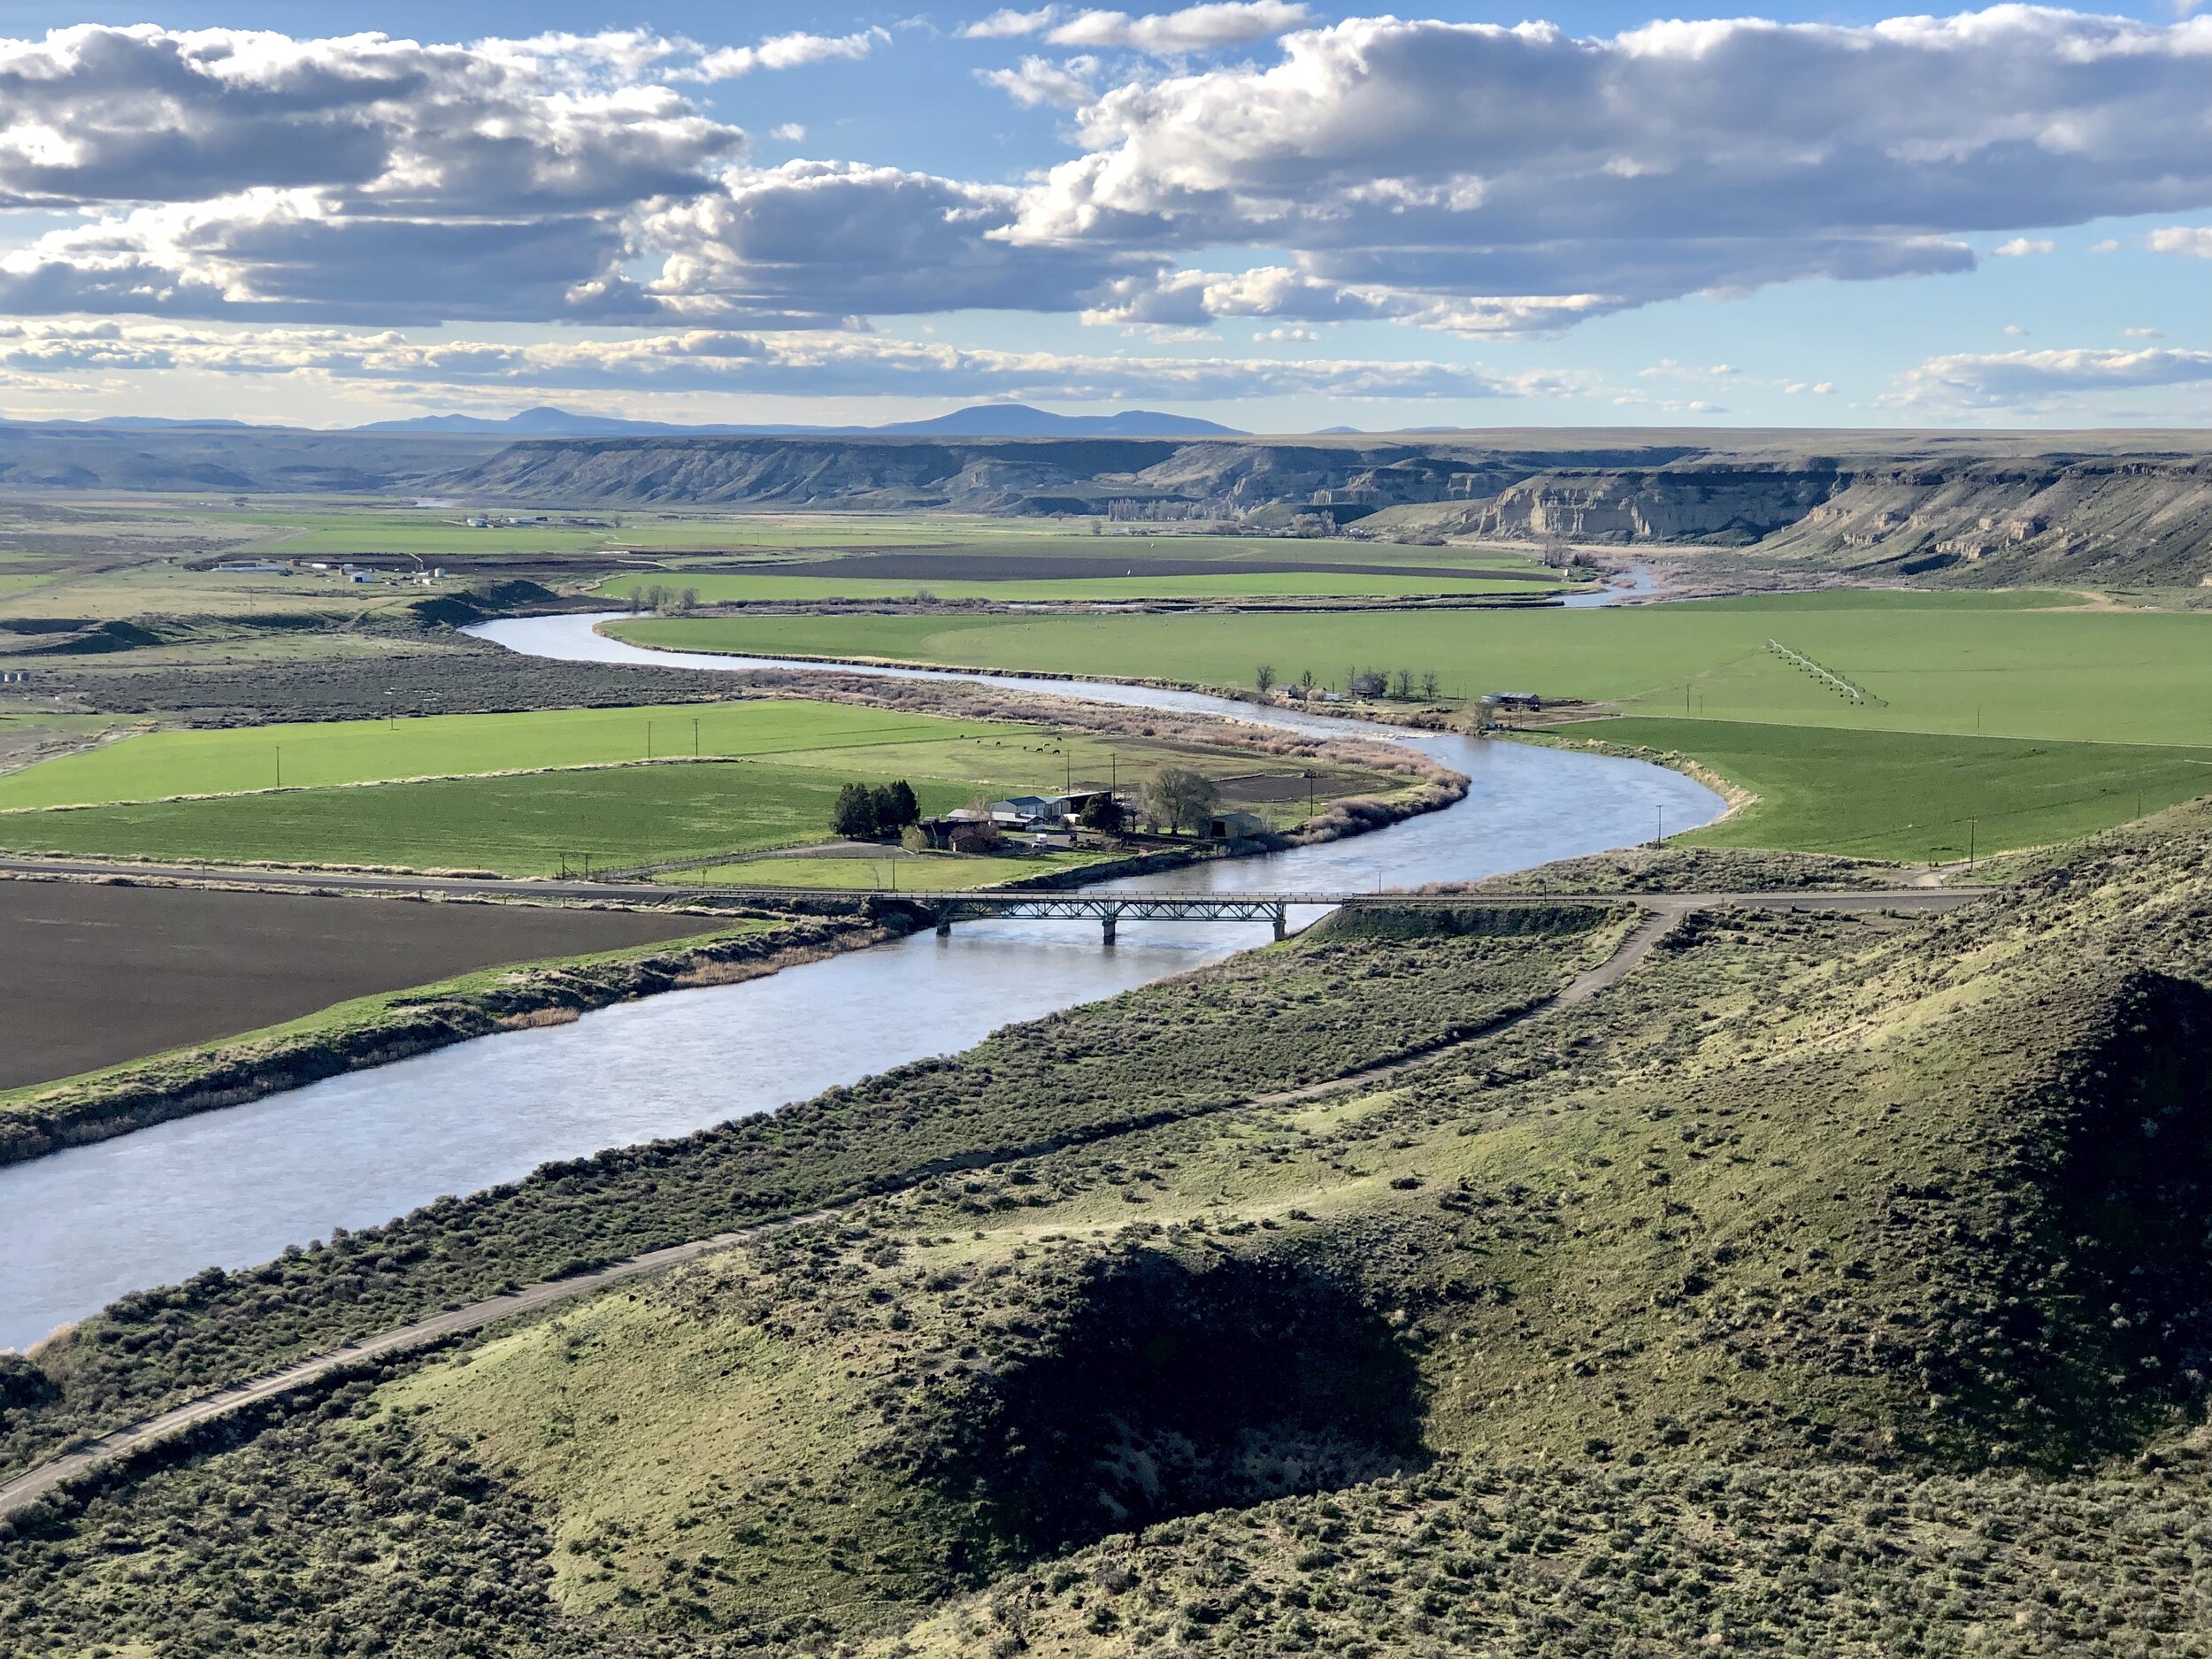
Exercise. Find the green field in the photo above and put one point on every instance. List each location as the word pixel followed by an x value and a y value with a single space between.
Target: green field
pixel 526 794
pixel 1908 796
pixel 162 763
pixel 2106 702
pixel 1231 583
pixel 528 824
pixel 925 872
pixel 2139 676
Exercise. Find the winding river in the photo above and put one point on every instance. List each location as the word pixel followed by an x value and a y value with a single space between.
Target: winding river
pixel 233 1187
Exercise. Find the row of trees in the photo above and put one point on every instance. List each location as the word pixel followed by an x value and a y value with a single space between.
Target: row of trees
pixel 664 602
pixel 1399 683
pixel 1175 797
pixel 866 813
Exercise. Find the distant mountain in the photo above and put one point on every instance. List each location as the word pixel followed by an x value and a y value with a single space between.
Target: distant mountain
pixel 984 421
pixel 1337 432
pixel 542 422
pixel 128 423
pixel 1019 421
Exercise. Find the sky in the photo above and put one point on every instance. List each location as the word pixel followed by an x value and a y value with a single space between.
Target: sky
pixel 1281 216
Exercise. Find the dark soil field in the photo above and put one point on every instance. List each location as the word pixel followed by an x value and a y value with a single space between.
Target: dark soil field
pixel 463 678
pixel 94 976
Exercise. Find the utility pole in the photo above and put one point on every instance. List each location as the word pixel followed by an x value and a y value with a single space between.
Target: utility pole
pixel 649 740
pixel 694 737
pixel 280 783
pixel 1972 824
pixel 1663 828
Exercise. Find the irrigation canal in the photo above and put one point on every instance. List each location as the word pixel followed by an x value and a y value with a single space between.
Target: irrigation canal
pixel 234 1187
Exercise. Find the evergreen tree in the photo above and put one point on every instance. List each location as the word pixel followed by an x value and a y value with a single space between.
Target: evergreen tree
pixel 854 816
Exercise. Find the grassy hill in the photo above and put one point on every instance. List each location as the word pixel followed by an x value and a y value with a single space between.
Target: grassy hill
pixel 1832 1284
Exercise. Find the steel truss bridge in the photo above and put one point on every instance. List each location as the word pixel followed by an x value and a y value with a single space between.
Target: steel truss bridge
pixel 1109 910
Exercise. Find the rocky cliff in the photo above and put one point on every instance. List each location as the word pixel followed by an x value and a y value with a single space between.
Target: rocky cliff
pixel 2117 509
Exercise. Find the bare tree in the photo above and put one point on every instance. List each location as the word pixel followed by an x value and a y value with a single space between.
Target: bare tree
pixel 1180 798
pixel 1401 685
pixel 1428 686
pixel 1263 677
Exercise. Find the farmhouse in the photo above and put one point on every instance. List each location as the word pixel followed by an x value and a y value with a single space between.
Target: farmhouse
pixel 1069 807
pixel 1526 702
pixel 1022 810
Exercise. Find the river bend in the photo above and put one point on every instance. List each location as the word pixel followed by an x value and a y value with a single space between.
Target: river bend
pixel 233 1187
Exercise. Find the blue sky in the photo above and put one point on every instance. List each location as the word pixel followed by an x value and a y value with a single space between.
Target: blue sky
pixel 1278 215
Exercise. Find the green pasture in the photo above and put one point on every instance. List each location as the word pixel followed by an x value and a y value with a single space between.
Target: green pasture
pixel 1915 797
pixel 1998 667
pixel 522 826
pixel 921 873
pixel 2019 719
pixel 1231 583
pixel 308 756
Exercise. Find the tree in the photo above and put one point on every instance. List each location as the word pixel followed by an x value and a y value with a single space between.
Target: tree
pixel 1305 685
pixel 854 816
pixel 1401 685
pixel 914 838
pixel 1180 798
pixel 1263 677
pixel 1428 686
pixel 1103 813
pixel 896 807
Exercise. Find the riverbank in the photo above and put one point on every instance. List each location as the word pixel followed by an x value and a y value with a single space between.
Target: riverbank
pixel 376 1031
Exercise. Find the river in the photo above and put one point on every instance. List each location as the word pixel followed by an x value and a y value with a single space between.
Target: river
pixel 233 1187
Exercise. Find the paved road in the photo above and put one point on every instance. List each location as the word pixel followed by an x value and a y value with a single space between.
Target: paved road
pixel 1666 911
pixel 463 886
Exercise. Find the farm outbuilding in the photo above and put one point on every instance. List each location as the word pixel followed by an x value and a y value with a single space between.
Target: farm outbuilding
pixel 1235 826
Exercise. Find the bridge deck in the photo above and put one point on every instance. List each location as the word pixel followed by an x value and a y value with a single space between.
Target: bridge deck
pixel 1091 901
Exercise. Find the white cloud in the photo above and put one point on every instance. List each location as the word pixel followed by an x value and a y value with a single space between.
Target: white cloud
pixel 2193 240
pixel 2031 377
pixel 1038 80
pixel 2015 328
pixel 782 52
pixel 92 115
pixel 811 242
pixel 1471 171
pixel 1198 28
pixel 1470 179
pixel 2108 245
pixel 789 133
pixel 1008 24
pixel 817 364
pixel 2023 247
pixel 2142 333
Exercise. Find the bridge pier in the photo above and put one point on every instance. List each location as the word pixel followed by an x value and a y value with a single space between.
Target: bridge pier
pixel 1106 921
pixel 1282 916
pixel 944 927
